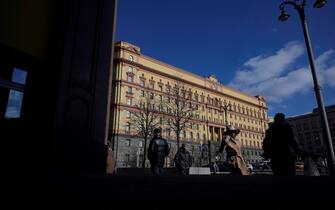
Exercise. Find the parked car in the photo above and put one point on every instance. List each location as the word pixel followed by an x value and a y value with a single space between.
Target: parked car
pixel 299 165
pixel 264 165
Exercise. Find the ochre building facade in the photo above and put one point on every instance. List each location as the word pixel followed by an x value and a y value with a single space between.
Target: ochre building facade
pixel 136 73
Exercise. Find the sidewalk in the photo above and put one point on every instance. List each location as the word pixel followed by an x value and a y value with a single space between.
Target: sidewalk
pixel 177 192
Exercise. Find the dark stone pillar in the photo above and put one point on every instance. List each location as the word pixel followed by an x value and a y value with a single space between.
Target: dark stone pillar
pixel 81 121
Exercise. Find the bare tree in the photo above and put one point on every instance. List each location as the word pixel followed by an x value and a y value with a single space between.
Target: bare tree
pixel 180 110
pixel 145 118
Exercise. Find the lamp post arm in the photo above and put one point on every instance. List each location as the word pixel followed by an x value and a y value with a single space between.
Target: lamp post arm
pixel 299 7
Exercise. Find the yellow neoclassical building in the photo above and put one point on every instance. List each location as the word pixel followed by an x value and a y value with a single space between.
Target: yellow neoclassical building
pixel 136 73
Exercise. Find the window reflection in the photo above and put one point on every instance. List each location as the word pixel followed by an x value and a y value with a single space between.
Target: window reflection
pixel 19 76
pixel 14 104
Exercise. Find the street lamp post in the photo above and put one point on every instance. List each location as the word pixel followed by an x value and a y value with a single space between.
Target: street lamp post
pixel 283 17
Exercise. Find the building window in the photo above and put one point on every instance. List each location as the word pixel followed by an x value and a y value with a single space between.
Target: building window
pixel 14 104
pixel 127 158
pixel 142 93
pixel 14 88
pixel 127 142
pixel 129 101
pixel 142 83
pixel 128 114
pixel 152 85
pixel 130 78
pixel 160 88
pixel 130 90
pixel 190 95
pixel 130 69
pixel 19 76
pixel 127 127
pixel 151 95
pixel 131 58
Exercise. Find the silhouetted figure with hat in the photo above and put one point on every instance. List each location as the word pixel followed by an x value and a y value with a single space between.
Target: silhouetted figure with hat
pixel 280 147
pixel 157 151
pixel 183 160
pixel 232 146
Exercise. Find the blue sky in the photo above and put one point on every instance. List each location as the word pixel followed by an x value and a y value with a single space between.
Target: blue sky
pixel 241 42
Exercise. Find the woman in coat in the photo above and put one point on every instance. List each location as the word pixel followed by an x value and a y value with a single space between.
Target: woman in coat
pixel 232 146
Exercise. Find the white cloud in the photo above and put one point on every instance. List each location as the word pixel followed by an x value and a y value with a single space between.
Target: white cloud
pixel 322 60
pixel 262 67
pixel 326 68
pixel 329 75
pixel 267 75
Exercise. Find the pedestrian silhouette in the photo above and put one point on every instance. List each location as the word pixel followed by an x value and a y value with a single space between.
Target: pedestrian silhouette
pixel 183 160
pixel 216 168
pixel 280 147
pixel 232 146
pixel 157 151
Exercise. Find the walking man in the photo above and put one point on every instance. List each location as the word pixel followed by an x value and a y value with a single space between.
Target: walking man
pixel 280 146
pixel 157 151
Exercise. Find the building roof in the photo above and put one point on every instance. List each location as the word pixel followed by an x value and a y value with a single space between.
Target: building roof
pixel 330 108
